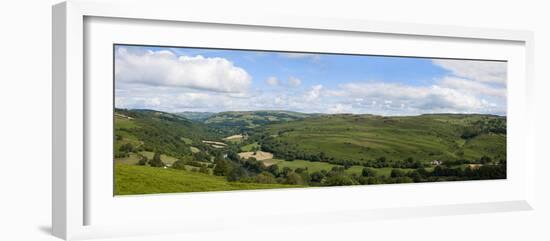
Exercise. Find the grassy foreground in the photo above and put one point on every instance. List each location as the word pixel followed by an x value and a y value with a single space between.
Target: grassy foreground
pixel 132 179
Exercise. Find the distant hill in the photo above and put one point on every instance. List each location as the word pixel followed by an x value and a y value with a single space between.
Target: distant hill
pixel 150 130
pixel 272 149
pixel 239 121
pixel 196 116
pixel 360 138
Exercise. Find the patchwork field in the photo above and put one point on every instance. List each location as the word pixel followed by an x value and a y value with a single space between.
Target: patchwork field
pixel 259 155
pixel 307 150
pixel 366 137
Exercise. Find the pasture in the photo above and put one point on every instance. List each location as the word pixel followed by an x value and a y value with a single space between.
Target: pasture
pixel 259 155
pixel 366 137
pixel 132 179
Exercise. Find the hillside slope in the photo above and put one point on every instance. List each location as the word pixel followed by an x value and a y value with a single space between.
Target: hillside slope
pixel 151 130
pixel 360 138
pixel 131 179
pixel 241 121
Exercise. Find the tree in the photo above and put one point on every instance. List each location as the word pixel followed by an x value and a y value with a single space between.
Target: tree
pixel 368 172
pixel 156 162
pixel 265 177
pixel 221 168
pixel 273 169
pixel 339 180
pixel 397 173
pixel 128 147
pixel 179 164
pixel 204 169
pixel 485 159
pixel 294 178
pixel 142 161
pixel 317 176
pixel 286 171
pixel 236 174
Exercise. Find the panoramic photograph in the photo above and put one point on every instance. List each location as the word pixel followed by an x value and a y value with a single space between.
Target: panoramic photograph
pixel 202 119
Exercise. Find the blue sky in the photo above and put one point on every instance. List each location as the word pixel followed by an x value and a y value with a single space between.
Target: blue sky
pixel 194 79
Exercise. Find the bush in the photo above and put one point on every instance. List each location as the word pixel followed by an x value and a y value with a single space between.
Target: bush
pixel 368 172
pixel 179 164
pixel 156 162
pixel 204 170
pixel 294 178
pixel 126 148
pixel 397 173
pixel 143 161
pixel 339 180
pixel 236 174
pixel 265 177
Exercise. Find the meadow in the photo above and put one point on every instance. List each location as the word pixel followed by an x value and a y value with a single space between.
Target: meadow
pixel 159 152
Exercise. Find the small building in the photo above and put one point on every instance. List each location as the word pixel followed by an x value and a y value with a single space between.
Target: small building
pixel 436 162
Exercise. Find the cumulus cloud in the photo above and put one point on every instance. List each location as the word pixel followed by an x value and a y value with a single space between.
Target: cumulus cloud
pixel 164 68
pixel 294 82
pixel 314 93
pixel 164 81
pixel 449 95
pixel 339 108
pixel 273 81
pixel 483 71
pixel 472 87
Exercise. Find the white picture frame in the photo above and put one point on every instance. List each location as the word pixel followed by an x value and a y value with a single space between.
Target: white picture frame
pixel 75 191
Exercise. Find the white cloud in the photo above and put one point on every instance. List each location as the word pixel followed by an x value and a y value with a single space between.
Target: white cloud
pixel 164 68
pixel 449 95
pixel 273 81
pixel 294 82
pixel 483 71
pixel 314 93
pixel 163 81
pixel 340 108
pixel 472 86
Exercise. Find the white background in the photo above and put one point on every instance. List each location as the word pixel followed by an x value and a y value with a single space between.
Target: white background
pixel 25 128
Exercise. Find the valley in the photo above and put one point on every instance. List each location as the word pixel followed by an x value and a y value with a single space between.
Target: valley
pixel 160 152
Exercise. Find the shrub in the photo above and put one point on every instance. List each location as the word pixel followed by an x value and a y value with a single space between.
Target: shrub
pixel 265 177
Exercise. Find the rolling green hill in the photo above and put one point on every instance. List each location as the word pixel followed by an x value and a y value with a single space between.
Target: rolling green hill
pixel 131 179
pixel 241 121
pixel 149 130
pixel 159 152
pixel 195 116
pixel 360 138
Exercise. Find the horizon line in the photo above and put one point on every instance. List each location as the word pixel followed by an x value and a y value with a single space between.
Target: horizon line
pixel 311 113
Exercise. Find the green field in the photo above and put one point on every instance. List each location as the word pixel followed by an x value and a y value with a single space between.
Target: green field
pixel 318 166
pixel 311 166
pixel 366 137
pixel 131 179
pixel 164 158
pixel 249 147
pixel 318 143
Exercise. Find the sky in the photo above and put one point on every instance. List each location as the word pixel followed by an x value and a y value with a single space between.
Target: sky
pixel 216 80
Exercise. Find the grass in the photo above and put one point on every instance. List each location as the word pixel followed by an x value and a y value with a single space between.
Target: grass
pixel 124 123
pixel 164 158
pixel 250 147
pixel 318 166
pixel 132 159
pixel 311 166
pixel 130 179
pixel 186 140
pixel 365 137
